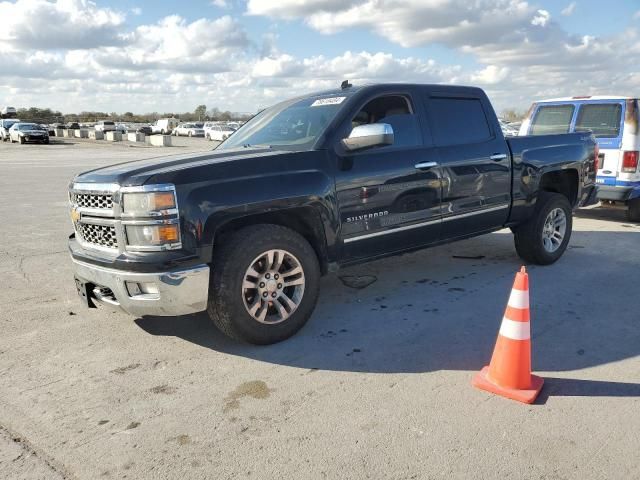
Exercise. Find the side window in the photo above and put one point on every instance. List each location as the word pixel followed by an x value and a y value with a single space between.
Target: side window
pixel 396 111
pixel 552 119
pixel 457 121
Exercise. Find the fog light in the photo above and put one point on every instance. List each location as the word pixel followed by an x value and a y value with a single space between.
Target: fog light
pixel 142 288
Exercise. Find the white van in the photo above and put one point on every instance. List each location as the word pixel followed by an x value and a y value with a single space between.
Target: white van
pixel 105 126
pixel 615 122
pixel 165 126
pixel 8 112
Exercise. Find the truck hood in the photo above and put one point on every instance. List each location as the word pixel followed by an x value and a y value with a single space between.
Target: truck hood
pixel 138 172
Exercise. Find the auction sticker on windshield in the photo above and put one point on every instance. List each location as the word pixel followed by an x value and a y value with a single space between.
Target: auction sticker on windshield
pixel 328 101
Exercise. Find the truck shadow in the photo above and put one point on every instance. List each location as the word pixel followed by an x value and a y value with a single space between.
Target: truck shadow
pixel 440 309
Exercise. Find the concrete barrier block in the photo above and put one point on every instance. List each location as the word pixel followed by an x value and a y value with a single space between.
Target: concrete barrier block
pixel 135 137
pixel 66 133
pixel 59 132
pixel 82 133
pixel 114 137
pixel 96 135
pixel 160 140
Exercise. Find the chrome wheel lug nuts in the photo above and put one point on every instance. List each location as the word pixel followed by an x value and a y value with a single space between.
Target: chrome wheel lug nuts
pixel 267 276
pixel 276 276
pixel 262 284
pixel 279 286
pixel 265 294
pixel 274 294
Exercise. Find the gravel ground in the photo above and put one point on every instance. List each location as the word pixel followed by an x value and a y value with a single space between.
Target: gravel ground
pixel 377 385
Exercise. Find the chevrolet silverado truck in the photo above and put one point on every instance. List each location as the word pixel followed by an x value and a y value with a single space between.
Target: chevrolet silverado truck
pixel 311 185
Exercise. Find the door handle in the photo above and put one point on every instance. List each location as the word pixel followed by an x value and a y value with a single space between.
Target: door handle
pixel 496 157
pixel 426 165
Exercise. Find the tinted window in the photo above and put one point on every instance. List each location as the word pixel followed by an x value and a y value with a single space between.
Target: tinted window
pixel 396 111
pixel 458 121
pixel 602 119
pixel 552 119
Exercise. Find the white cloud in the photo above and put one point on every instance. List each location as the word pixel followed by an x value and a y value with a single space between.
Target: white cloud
pixel 490 75
pixel 569 9
pixel 46 25
pixel 541 18
pixel 136 11
pixel 407 22
pixel 636 16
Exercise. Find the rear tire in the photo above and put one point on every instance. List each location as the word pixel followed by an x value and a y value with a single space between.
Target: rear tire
pixel 538 240
pixel 633 212
pixel 230 300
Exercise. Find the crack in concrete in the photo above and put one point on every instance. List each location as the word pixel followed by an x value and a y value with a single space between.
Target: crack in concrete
pixel 32 450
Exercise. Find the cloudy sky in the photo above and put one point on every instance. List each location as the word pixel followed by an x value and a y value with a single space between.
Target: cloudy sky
pixel 241 55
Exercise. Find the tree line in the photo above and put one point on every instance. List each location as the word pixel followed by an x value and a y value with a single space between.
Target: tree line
pixel 201 113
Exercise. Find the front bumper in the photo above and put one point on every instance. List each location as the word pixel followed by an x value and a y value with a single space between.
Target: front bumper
pixel 171 293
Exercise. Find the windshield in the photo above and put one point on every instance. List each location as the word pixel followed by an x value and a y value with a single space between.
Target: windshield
pixel 27 126
pixel 8 124
pixel 601 119
pixel 290 125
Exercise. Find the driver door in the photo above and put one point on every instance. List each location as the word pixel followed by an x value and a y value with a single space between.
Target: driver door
pixel 389 196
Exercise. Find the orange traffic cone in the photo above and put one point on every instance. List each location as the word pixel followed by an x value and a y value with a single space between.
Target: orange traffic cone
pixel 509 373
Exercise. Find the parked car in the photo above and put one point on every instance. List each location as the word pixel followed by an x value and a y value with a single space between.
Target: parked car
pixel 188 130
pixel 49 129
pixel 105 126
pixel 121 127
pixel 28 132
pixel 165 126
pixel 146 129
pixel 614 122
pixel 217 131
pixel 309 186
pixel 507 129
pixel 73 126
pixel 5 125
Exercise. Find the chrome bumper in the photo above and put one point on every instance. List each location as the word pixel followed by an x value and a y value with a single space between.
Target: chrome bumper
pixel 163 294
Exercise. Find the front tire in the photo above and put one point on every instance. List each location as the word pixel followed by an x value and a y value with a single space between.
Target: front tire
pixel 264 284
pixel 21 140
pixel 544 237
pixel 633 212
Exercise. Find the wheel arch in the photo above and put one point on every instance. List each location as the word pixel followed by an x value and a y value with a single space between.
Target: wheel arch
pixel 305 220
pixel 564 182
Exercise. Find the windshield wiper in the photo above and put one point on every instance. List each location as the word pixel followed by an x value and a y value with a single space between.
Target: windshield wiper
pixel 264 145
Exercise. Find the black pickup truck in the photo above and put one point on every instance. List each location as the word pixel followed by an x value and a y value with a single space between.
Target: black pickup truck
pixel 313 184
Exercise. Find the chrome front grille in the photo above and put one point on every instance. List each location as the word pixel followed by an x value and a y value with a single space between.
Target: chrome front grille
pixel 92 200
pixel 100 235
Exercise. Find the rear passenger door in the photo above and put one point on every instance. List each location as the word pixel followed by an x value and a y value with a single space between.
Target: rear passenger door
pixel 475 163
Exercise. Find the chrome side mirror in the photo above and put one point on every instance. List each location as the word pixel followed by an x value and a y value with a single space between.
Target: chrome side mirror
pixel 366 136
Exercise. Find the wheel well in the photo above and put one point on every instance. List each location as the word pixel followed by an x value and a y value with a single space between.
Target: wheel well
pixel 303 220
pixel 564 182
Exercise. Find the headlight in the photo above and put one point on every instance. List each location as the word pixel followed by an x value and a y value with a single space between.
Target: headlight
pixel 145 204
pixel 153 236
pixel 151 218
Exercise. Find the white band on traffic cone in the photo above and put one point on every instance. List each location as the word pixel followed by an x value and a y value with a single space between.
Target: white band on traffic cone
pixel 519 299
pixel 515 330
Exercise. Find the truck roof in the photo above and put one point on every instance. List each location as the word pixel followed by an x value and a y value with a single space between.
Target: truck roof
pixel 586 97
pixel 386 86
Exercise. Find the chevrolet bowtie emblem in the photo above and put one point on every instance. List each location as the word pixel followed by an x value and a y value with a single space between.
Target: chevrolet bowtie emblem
pixel 75 215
